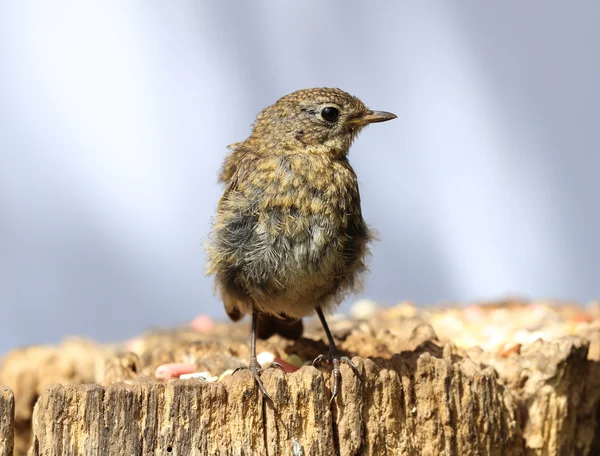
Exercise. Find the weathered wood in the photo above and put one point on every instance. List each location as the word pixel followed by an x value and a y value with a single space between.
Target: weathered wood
pixel 7 424
pixel 557 387
pixel 418 393
pixel 423 405
pixel 29 371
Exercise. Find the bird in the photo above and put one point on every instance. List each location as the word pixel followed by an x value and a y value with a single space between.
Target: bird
pixel 288 239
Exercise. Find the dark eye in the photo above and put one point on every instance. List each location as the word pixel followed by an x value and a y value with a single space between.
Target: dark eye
pixel 330 114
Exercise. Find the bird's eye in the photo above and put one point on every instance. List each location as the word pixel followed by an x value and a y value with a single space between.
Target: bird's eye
pixel 330 114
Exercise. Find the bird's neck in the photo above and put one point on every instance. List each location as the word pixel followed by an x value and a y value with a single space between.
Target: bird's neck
pixel 334 148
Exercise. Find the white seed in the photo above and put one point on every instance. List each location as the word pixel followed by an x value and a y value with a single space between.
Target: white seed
pixel 265 358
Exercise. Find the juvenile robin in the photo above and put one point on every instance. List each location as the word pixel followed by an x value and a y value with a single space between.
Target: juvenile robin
pixel 289 238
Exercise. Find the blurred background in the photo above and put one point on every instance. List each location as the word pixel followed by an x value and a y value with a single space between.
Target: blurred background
pixel 115 116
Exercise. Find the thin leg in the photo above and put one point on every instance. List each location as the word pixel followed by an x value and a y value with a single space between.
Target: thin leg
pixel 254 367
pixel 334 357
pixel 325 327
pixel 253 360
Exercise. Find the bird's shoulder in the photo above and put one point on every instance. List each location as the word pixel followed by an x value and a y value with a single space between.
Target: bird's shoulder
pixel 240 158
pixel 310 183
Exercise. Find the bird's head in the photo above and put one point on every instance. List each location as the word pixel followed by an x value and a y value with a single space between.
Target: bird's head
pixel 319 121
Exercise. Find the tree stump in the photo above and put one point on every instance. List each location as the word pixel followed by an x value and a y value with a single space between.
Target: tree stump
pixel 424 405
pixel 417 394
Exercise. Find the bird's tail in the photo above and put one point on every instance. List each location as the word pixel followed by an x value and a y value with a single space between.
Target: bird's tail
pixel 290 328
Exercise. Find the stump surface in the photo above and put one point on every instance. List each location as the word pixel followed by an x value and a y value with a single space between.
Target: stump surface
pixel 424 389
pixel 426 405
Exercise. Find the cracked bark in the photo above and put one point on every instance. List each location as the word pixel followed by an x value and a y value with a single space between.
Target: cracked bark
pixel 420 405
pixel 414 397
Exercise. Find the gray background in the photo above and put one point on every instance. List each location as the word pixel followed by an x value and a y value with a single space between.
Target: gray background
pixel 114 117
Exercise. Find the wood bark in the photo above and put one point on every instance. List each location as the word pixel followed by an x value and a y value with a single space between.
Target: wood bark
pixel 423 405
pixel 557 387
pixel 7 413
pixel 414 396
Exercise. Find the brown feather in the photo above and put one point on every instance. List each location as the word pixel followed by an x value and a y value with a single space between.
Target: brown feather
pixel 289 233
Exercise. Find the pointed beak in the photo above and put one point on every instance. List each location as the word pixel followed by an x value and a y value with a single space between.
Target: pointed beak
pixel 370 117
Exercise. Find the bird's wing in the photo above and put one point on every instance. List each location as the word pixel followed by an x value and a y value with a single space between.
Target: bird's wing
pixel 238 153
pixel 233 230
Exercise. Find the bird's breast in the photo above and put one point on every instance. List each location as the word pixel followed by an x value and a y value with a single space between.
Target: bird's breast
pixel 306 216
pixel 308 185
pixel 292 229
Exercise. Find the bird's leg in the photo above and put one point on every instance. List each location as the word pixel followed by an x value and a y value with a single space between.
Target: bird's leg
pixel 334 357
pixel 254 366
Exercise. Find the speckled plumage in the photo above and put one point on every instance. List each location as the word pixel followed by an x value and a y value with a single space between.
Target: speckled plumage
pixel 289 237
pixel 289 233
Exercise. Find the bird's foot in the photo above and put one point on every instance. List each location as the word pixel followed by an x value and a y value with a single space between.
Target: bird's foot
pixel 256 370
pixel 335 358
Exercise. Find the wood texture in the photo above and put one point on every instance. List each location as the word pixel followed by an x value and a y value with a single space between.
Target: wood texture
pixel 416 395
pixel 7 429
pixel 557 387
pixel 29 371
pixel 420 405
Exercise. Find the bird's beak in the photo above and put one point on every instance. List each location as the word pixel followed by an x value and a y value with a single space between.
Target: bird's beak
pixel 370 117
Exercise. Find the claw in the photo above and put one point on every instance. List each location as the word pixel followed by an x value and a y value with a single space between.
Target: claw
pixel 256 371
pixel 334 357
pixel 348 362
pixel 276 365
pixel 321 359
pixel 239 369
pixel 261 387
